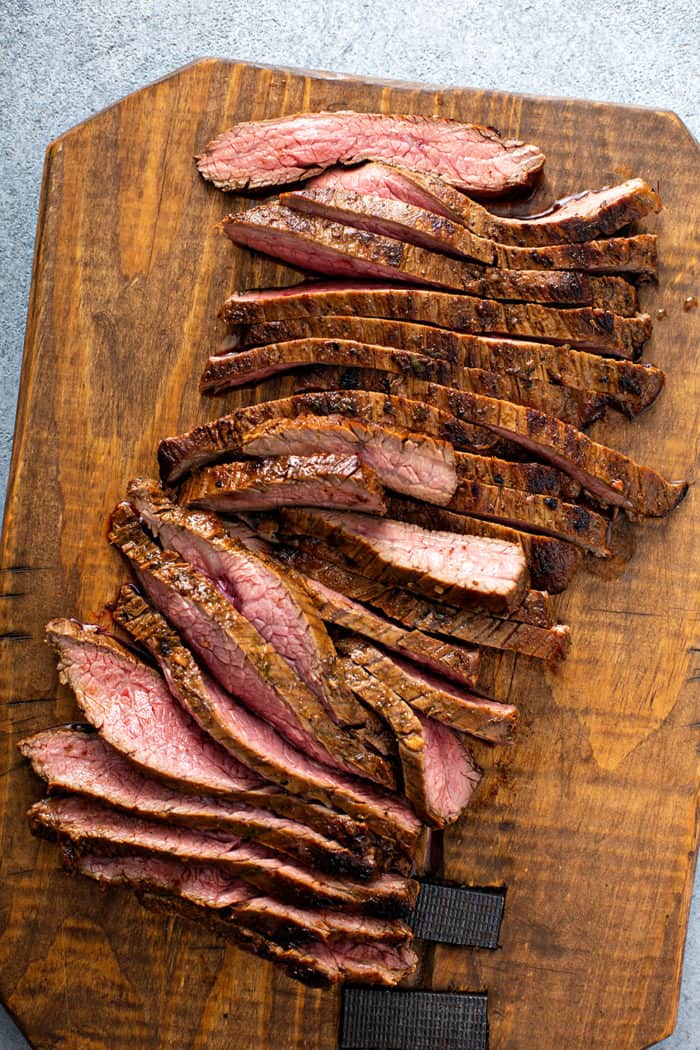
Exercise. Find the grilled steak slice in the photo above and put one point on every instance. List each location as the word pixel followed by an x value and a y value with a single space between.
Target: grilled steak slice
pixel 260 589
pixel 588 328
pixel 461 570
pixel 315 964
pixel 614 255
pixel 285 149
pixel 313 243
pixel 238 656
pixel 287 481
pixel 392 218
pixel 235 900
pixel 438 772
pixel 468 625
pixel 82 763
pixel 528 477
pixel 432 696
pixel 552 563
pixel 582 217
pixel 136 714
pixel 628 386
pixel 95 828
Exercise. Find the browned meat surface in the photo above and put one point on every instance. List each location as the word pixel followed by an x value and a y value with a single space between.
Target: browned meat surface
pixel 286 149
pixel 614 255
pixel 587 328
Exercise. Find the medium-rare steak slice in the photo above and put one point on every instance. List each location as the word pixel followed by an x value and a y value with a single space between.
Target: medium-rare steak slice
pixel 588 328
pixel 458 569
pixel 92 827
pixel 286 481
pixel 552 563
pixel 70 760
pixel 313 243
pixel 235 900
pixel 468 625
pixel 135 712
pixel 236 654
pixel 628 386
pixel 260 590
pixel 581 217
pixel 285 149
pixel 432 696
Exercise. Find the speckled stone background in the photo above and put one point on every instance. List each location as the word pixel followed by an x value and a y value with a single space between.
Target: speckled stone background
pixel 62 60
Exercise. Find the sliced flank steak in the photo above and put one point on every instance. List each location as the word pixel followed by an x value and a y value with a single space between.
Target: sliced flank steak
pixel 286 481
pixel 273 152
pixel 82 763
pixel 628 386
pixel 92 827
pixel 310 242
pixel 581 217
pixel 462 570
pixel 588 328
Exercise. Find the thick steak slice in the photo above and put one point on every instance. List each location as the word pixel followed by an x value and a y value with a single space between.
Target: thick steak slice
pixel 392 218
pixel 628 386
pixel 432 696
pixel 458 569
pixel 588 328
pixel 467 625
pixel 582 217
pixel 95 828
pixel 552 563
pixel 315 964
pixel 286 149
pixel 238 901
pixel 313 243
pixel 84 764
pixel 286 481
pixel 259 588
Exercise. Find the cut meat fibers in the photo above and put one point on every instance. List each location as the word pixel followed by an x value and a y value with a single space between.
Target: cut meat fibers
pixel 258 588
pixel 458 569
pixel 286 149
pixel 439 774
pixel 628 386
pixel 581 217
pixel 287 481
pixel 84 764
pixel 93 827
pixel 237 901
pixel 314 243
pixel 587 328
pixel 237 655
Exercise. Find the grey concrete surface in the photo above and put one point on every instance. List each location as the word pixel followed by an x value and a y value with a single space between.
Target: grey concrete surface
pixel 63 60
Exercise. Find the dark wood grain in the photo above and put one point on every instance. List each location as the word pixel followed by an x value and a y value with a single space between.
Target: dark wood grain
pixel 590 820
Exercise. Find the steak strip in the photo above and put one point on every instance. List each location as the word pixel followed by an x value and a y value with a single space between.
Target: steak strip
pixel 313 243
pixel 581 217
pixel 285 149
pixel 628 386
pixel 599 331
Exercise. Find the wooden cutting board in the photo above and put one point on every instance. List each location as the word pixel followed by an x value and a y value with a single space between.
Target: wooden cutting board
pixel 590 820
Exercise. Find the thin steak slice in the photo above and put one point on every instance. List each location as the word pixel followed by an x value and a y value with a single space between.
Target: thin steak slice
pixel 259 588
pixel 286 481
pixel 615 255
pixel 75 761
pixel 468 625
pixel 581 217
pixel 588 328
pixel 236 654
pixel 443 565
pixel 92 827
pixel 628 386
pixel 432 696
pixel 551 562
pixel 135 712
pixel 313 243
pixel 286 149
pixel 235 900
